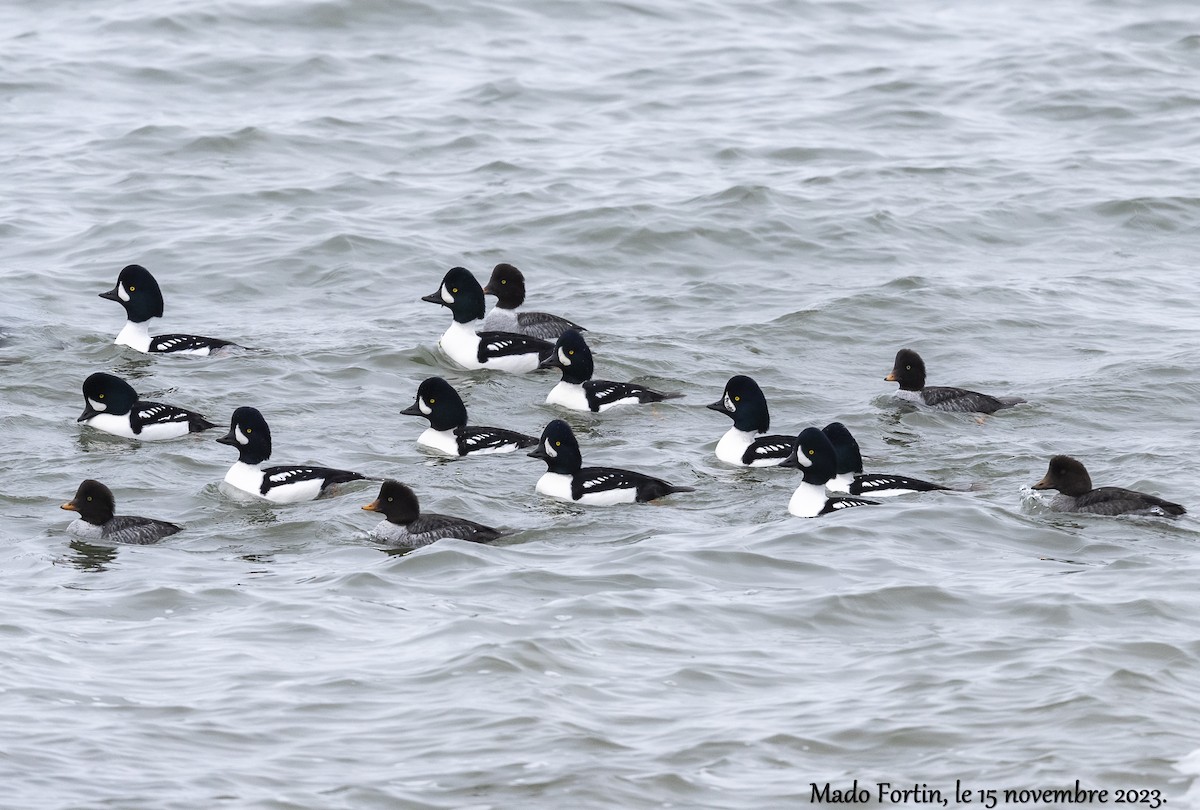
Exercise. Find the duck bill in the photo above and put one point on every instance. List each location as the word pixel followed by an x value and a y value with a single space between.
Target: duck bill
pixel 487 290
pixel 412 410
pixel 539 452
pixel 69 506
pixel 719 407
pixel 88 413
pixel 551 362
pixel 111 295
pixel 373 506
pixel 434 298
pixel 229 439
pixel 891 377
pixel 1043 484
pixel 791 461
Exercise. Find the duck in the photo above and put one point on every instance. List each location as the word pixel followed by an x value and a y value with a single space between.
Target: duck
pixel 138 292
pixel 95 505
pixel 579 392
pixel 405 525
pixel 507 283
pixel 448 431
pixel 566 478
pixel 909 372
pixel 852 480
pixel 1070 478
pixel 747 444
pixel 501 351
pixel 112 405
pixel 815 457
pixel 250 434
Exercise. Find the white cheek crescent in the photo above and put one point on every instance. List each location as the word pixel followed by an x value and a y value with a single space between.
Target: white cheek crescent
pixel 562 358
pixel 803 458
pixel 241 437
pixel 122 293
pixel 729 403
pixel 446 296
pixel 425 409
pixel 550 451
pixel 99 406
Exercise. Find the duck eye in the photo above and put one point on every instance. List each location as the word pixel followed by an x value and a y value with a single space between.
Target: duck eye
pixel 131 289
pixel 812 452
pixel 908 368
pixel 249 431
pixel 571 351
pixel 737 399
pixel 454 290
pixel 503 281
pixel 556 444
pixel 89 497
pixel 100 396
pixel 432 401
pixel 391 499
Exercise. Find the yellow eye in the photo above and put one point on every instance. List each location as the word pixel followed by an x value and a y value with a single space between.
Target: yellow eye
pixel 131 289
pixel 89 497
pixel 454 290
pixel 811 452
pixel 432 401
pixel 556 444
pixel 571 351
pixel 503 281
pixel 100 396
pixel 249 431
pixel 737 399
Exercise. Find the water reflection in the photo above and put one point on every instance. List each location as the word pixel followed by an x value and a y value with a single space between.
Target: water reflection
pixel 88 557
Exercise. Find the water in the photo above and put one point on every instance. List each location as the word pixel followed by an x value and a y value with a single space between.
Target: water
pixel 789 190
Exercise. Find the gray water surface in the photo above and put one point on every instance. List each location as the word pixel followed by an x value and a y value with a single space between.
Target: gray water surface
pixel 789 190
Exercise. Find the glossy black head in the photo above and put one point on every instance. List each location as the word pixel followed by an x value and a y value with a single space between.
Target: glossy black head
pixel 438 402
pixel 508 285
pixel 104 393
pixel 1067 475
pixel 559 449
pixel 814 455
pixel 248 432
pixel 138 292
pixel 396 502
pixel 94 502
pixel 908 370
pixel 460 291
pixel 845 448
pixel 572 355
pixel 743 401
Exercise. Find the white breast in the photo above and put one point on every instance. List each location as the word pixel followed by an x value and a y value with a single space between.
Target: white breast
pixel 443 441
pixel 808 500
pixel 841 483
pixel 733 445
pixel 461 344
pixel 568 395
pixel 910 396
pixel 85 531
pixel 135 336
pixel 245 477
pixel 555 485
pixel 116 425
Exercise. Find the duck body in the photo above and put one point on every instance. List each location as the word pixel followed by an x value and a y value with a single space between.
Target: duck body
pixel 471 349
pixel 909 371
pixel 579 392
pixel 1075 494
pixel 95 504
